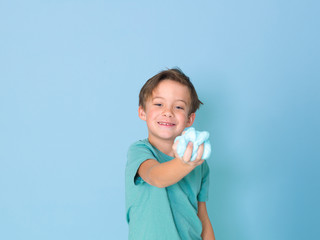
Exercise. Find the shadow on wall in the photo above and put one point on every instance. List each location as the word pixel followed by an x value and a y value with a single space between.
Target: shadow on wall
pixel 224 205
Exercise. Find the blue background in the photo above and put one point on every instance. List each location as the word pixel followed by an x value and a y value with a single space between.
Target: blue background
pixel 70 74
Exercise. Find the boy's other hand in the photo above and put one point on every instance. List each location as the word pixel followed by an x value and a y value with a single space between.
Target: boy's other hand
pixel 188 153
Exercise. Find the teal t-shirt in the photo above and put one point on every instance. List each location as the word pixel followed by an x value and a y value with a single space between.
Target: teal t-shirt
pixel 163 213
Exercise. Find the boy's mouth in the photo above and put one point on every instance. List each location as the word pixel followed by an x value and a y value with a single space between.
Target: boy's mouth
pixel 167 124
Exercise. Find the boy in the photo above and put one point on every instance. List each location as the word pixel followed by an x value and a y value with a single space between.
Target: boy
pixel 165 193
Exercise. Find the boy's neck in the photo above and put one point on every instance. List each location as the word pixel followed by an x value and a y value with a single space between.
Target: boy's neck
pixel 163 146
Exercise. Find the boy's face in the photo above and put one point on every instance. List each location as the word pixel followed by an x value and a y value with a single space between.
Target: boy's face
pixel 167 111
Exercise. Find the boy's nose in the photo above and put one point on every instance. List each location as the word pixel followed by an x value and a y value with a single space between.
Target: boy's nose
pixel 167 112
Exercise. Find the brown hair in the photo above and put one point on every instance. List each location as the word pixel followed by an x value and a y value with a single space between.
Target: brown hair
pixel 174 74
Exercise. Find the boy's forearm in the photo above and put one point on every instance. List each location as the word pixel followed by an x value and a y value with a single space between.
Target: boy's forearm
pixel 168 173
pixel 207 230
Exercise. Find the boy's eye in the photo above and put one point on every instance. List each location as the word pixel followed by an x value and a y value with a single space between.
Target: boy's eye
pixel 158 104
pixel 179 107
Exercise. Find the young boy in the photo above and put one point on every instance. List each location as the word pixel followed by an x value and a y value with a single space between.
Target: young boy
pixel 165 193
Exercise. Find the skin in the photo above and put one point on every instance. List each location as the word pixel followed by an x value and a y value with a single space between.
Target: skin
pixel 167 115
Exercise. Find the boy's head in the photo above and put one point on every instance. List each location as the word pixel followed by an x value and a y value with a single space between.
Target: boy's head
pixel 176 75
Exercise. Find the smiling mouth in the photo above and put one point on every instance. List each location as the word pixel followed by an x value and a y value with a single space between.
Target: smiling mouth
pixel 166 124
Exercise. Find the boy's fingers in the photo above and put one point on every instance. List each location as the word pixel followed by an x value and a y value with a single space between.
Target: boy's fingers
pixel 197 162
pixel 175 145
pixel 201 161
pixel 188 153
pixel 174 148
pixel 200 151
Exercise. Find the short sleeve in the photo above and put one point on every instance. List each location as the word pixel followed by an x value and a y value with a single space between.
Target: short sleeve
pixel 137 154
pixel 204 190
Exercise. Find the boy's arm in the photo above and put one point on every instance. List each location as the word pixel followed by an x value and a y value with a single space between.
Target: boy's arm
pixel 165 174
pixel 207 230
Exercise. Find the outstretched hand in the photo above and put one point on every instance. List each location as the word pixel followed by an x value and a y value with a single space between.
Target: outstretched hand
pixel 188 154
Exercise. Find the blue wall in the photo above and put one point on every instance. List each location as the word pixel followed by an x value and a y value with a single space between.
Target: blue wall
pixel 70 74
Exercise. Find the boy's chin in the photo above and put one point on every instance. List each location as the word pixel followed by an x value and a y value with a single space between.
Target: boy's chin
pixel 165 138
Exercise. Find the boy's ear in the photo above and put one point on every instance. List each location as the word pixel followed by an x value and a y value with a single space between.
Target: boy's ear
pixel 191 118
pixel 142 113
